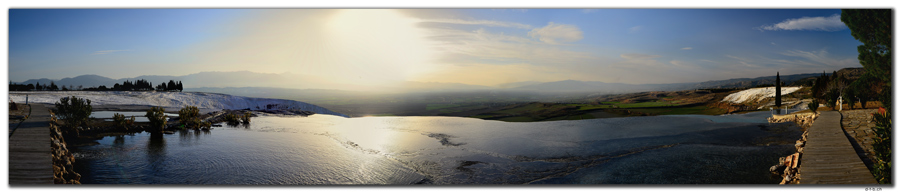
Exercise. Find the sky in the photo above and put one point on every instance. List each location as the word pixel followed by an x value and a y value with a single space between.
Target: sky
pixel 471 46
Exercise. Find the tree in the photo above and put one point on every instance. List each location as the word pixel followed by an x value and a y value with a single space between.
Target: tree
pixel 872 27
pixel 777 89
pixel 180 87
pixel 53 86
pixel 171 85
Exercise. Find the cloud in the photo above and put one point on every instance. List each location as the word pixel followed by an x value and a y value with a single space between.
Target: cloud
pixel 481 22
pixel 773 43
pixel 633 56
pixel 101 52
pixel 557 33
pixel 634 29
pixel 831 23
pixel 515 10
pixel 818 58
pixel 687 48
pixel 460 46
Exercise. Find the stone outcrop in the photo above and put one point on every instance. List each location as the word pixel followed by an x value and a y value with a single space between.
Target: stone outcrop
pixel 788 167
pixel 805 120
pixel 63 161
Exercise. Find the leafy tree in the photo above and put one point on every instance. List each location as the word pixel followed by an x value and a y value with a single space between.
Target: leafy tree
pixel 53 86
pixel 849 96
pixel 179 86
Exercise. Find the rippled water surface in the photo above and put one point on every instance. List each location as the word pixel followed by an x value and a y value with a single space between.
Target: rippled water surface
pixel 324 149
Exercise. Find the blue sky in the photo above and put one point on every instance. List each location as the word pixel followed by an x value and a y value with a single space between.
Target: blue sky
pixel 471 46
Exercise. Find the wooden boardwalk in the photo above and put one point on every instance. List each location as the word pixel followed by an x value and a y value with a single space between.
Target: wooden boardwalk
pixel 30 160
pixel 828 157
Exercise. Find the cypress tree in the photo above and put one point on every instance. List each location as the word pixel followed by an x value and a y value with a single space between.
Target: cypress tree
pixel 777 89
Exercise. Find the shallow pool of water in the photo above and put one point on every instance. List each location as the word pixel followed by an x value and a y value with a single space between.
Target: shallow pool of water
pixel 324 149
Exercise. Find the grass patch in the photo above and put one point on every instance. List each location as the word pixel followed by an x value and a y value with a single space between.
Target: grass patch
pixel 517 119
pixel 701 110
pixel 646 104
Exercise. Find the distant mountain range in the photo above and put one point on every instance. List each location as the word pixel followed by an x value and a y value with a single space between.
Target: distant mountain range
pixel 291 81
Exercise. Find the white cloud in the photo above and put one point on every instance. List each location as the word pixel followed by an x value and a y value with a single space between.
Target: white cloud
pixel 107 52
pixel 461 46
pixel 773 43
pixel 831 23
pixel 557 33
pixel 513 10
pixel 481 22
pixel 687 48
pixel 632 56
pixel 634 29
pixel 818 58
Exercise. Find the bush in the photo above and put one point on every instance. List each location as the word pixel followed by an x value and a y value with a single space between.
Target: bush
pixel 121 122
pixel 206 125
pixel 74 111
pixel 157 118
pixel 882 146
pixel 233 119
pixel 246 118
pixel 813 106
pixel 189 117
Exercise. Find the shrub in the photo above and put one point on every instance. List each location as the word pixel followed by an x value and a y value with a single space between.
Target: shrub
pixel 882 146
pixel 189 117
pixel 121 122
pixel 157 118
pixel 233 119
pixel 74 111
pixel 813 106
pixel 246 118
pixel 206 125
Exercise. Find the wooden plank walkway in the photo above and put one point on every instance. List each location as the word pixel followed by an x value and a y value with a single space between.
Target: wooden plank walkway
pixel 828 157
pixel 30 160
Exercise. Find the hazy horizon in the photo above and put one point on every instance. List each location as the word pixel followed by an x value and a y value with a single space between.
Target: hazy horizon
pixel 379 47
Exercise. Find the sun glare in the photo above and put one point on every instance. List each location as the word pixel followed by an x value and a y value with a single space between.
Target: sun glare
pixel 377 45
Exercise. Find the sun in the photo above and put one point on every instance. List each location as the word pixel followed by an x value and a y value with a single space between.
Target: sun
pixel 378 45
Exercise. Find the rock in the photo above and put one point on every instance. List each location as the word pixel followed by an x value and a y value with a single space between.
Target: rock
pixel 777 169
pixel 796 161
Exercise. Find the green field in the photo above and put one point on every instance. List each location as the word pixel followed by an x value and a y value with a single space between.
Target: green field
pixel 700 110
